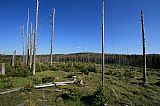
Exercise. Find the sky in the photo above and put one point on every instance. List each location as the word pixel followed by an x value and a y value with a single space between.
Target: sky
pixel 78 25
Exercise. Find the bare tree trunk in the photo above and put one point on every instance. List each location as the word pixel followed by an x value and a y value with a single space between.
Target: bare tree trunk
pixel 2 68
pixel 144 52
pixel 102 43
pixel 27 45
pixel 23 56
pixel 28 50
pixel 52 38
pixel 31 34
pixel 13 58
pixel 35 39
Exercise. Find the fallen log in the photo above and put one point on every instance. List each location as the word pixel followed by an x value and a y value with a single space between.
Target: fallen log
pixel 41 86
pixel 54 84
pixel 63 83
pixel 10 90
pixel 44 85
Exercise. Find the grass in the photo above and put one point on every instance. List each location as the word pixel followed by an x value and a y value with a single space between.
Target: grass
pixel 121 87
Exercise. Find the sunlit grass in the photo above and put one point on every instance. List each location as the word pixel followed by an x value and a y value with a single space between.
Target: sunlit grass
pixel 122 87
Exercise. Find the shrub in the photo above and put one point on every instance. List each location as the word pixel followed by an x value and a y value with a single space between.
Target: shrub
pixel 54 68
pixel 68 69
pixel 2 77
pixel 22 71
pixel 129 74
pixel 80 65
pixel 9 70
pixel 93 68
pixel 88 100
pixel 47 79
pixel 17 71
pixel 109 72
pixel 84 70
pixel 27 88
pixel 38 67
pixel 74 95
pixel 99 98
pixel 36 80
pixel 44 67
pixel 105 96
pixel 7 83
pixel 157 83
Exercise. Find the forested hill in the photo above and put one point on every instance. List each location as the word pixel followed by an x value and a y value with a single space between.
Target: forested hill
pixel 153 60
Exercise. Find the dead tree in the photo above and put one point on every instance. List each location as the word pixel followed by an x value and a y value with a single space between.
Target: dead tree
pixel 13 58
pixel 27 40
pixel 102 43
pixel 31 34
pixel 144 52
pixel 2 69
pixel 35 38
pixel 23 56
pixel 28 50
pixel 52 38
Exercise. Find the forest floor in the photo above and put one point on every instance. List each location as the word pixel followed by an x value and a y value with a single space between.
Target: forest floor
pixel 122 85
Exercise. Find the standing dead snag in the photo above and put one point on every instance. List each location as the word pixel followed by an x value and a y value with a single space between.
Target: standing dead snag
pixel 144 52
pixel 13 58
pixel 35 39
pixel 52 38
pixel 27 40
pixel 2 69
pixel 102 43
pixel 30 39
pixel 23 57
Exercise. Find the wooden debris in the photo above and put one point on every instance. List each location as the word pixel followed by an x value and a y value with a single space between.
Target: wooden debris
pixel 44 85
pixel 10 90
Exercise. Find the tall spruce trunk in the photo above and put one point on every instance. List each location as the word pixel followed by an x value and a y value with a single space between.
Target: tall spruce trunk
pixel 102 43
pixel 31 34
pixel 35 39
pixel 52 38
pixel 144 52
pixel 27 40
pixel 23 55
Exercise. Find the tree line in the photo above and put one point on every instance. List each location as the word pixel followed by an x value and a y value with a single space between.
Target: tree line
pixel 153 60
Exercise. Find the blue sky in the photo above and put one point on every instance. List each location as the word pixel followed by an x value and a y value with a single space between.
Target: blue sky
pixel 78 25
